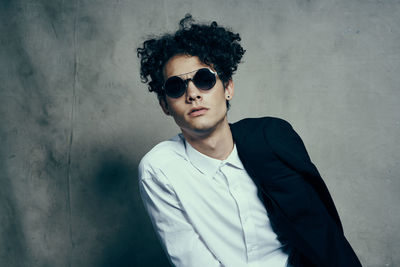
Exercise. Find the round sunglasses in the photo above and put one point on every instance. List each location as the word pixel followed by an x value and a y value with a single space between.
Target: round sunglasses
pixel 203 79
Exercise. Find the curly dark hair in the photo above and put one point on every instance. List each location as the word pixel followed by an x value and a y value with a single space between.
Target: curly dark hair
pixel 215 46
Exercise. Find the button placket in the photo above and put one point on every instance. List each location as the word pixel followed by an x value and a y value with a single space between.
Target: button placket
pixel 238 192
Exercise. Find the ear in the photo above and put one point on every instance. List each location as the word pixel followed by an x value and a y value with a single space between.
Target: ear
pixel 164 105
pixel 229 90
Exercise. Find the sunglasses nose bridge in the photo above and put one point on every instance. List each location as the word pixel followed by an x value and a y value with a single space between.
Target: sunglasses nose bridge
pixel 187 83
pixel 192 92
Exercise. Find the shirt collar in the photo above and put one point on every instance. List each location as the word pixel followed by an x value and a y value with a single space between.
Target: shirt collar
pixel 208 165
pixel 234 160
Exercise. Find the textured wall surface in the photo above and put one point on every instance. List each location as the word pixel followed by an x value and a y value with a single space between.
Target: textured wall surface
pixel 75 119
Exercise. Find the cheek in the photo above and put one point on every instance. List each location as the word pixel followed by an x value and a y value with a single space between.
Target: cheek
pixel 219 98
pixel 175 108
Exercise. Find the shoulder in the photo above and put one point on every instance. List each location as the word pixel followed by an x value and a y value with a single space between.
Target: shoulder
pixel 264 121
pixel 271 126
pixel 271 132
pixel 161 156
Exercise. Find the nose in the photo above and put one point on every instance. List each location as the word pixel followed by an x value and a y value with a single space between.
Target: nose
pixel 192 92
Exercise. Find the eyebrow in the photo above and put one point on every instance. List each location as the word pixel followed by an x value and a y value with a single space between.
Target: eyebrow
pixel 193 71
pixel 186 72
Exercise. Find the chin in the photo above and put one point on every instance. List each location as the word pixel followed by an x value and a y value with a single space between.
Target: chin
pixel 197 127
pixel 203 127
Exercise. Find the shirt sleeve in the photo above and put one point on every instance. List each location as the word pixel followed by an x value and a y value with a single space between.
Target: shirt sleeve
pixel 178 237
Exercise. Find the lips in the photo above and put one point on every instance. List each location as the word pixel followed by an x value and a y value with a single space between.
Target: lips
pixel 197 111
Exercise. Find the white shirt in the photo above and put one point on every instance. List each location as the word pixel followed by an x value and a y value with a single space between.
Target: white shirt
pixel 205 211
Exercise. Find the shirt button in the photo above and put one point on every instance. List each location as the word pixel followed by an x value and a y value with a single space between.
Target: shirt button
pixel 253 247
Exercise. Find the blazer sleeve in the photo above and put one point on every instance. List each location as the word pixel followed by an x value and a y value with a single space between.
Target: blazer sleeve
pixel 297 199
pixel 287 145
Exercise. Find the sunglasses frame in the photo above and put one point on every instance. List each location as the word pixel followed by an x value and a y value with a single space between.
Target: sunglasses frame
pixel 185 82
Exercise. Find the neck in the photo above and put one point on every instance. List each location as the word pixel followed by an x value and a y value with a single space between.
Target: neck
pixel 217 144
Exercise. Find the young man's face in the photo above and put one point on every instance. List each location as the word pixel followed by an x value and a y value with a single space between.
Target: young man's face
pixel 197 112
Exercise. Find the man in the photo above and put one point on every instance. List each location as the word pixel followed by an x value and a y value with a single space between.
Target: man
pixel 244 194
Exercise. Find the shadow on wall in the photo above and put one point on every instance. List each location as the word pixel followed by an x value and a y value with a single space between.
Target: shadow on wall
pixel 119 216
pixel 108 223
pixel 13 250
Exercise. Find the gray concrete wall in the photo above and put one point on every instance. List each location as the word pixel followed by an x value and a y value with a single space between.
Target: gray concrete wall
pixel 75 119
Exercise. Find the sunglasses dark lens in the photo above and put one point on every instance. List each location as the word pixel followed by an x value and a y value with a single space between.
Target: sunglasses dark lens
pixel 175 87
pixel 204 79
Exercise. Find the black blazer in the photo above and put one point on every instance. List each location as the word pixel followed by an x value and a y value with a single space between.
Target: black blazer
pixel 299 205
